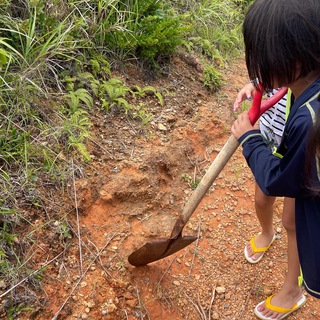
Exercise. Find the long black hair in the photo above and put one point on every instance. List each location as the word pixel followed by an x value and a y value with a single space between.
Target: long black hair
pixel 282 40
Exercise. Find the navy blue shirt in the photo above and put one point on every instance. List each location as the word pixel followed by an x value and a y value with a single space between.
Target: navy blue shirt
pixel 284 174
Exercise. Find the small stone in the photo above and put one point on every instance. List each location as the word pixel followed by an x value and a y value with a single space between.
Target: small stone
pixel 111 308
pixel 231 257
pixel 161 127
pixel 3 284
pixel 16 240
pixel 267 291
pixel 132 303
pixel 220 290
pixel 128 296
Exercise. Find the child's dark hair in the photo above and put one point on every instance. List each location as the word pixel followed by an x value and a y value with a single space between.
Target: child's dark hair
pixel 282 40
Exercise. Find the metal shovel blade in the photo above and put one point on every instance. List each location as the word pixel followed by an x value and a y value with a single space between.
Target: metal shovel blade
pixel 158 249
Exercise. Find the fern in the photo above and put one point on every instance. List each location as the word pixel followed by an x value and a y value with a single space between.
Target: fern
pixel 75 131
pixel 112 93
pixel 81 147
pixel 74 99
pixel 142 91
pixel 212 78
pixel 142 114
pixel 100 66
pixel 124 103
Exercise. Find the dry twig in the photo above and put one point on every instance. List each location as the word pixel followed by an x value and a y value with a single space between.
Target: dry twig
pixel 77 216
pixel 196 247
pixel 141 305
pixel 170 264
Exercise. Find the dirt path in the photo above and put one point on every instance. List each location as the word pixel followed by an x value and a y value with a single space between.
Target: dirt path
pixel 133 190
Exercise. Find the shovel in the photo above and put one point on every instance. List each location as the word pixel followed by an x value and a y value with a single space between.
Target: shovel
pixel 162 247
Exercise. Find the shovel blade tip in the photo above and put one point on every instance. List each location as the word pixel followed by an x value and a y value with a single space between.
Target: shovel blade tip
pixel 158 249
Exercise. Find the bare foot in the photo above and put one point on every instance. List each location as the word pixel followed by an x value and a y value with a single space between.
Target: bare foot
pixel 261 240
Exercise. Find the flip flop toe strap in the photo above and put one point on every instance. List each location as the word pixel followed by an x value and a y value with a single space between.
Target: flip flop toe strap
pixel 271 307
pixel 256 249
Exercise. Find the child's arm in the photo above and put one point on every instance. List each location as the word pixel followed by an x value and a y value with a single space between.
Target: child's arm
pixel 276 175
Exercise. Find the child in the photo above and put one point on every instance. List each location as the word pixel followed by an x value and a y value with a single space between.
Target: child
pixel 282 46
pixel 271 124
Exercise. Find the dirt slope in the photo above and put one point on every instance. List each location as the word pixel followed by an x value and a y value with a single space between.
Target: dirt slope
pixel 133 190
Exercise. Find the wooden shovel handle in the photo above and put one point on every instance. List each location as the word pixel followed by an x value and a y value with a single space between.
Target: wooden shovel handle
pixel 212 173
pixel 225 154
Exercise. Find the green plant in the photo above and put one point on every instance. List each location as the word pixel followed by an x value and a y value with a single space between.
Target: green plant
pixel 5 56
pixel 140 112
pixel 193 183
pixel 76 130
pixel 243 4
pixel 115 94
pixel 217 23
pixel 137 90
pixel 100 66
pixel 63 230
pixel 75 98
pixel 112 94
pixel 7 240
pixel 35 55
pixel 14 308
pixel 160 34
pixel 12 145
pixel 143 29
pixel 205 47
pixel 212 78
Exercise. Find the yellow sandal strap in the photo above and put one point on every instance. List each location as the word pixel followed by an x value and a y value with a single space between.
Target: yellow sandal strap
pixel 255 249
pixel 271 307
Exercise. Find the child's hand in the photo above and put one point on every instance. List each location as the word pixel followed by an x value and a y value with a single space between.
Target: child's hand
pixel 245 93
pixel 242 125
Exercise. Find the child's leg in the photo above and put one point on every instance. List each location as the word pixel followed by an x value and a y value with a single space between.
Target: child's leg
pixel 290 291
pixel 288 221
pixel 264 211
